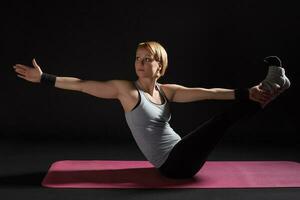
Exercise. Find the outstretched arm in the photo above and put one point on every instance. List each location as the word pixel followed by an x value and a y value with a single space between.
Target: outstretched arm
pixel 106 89
pixel 178 93
pixel 182 94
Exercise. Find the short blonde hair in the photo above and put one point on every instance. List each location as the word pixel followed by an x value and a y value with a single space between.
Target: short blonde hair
pixel 159 53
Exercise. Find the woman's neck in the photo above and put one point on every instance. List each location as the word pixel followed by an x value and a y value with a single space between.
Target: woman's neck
pixel 147 85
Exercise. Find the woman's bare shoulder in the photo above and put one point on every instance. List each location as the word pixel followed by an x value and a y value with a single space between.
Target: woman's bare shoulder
pixel 169 90
pixel 128 95
pixel 124 85
pixel 170 86
pixel 123 82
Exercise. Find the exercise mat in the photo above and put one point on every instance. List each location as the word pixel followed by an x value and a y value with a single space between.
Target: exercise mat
pixel 141 174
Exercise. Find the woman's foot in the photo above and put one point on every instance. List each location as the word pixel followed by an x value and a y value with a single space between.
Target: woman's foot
pixel 276 80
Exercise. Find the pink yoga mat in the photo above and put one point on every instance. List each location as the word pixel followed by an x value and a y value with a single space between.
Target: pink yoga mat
pixel 141 174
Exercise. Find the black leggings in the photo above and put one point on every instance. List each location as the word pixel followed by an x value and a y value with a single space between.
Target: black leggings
pixel 189 155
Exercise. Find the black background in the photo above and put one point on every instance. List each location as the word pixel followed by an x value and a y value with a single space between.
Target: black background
pixel 209 44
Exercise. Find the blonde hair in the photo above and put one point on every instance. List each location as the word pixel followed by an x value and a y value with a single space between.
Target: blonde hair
pixel 159 53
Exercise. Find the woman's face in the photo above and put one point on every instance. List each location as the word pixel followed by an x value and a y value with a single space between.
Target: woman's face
pixel 145 64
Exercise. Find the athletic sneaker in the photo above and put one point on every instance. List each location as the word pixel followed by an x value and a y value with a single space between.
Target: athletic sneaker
pixel 276 81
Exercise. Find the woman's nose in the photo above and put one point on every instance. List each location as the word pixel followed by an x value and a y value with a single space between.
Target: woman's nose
pixel 141 62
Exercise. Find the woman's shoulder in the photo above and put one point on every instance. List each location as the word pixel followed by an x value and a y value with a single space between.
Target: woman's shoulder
pixel 124 85
pixel 166 86
pixel 167 89
pixel 123 82
pixel 170 86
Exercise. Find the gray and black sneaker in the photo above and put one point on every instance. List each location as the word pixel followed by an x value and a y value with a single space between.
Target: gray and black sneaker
pixel 276 80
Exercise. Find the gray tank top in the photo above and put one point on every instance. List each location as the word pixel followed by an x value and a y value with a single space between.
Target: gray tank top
pixel 149 125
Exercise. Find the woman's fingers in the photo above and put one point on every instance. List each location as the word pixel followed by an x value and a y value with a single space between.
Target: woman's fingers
pixel 261 97
pixel 36 66
pixel 267 100
pixel 21 66
pixel 262 94
pixel 261 100
pixel 266 96
pixel 265 93
pixel 23 77
pixel 28 73
pixel 20 71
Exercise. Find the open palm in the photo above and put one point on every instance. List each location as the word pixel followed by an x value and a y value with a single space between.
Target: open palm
pixel 32 74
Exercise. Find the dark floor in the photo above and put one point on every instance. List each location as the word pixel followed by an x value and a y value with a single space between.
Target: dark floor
pixel 23 165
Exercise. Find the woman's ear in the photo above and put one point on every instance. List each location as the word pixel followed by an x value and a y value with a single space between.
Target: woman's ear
pixel 160 65
pixel 159 70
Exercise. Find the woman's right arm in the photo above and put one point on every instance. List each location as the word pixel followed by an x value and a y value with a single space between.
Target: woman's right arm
pixel 101 89
pixel 106 89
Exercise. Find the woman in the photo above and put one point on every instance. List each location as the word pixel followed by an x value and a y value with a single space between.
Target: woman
pixel 146 106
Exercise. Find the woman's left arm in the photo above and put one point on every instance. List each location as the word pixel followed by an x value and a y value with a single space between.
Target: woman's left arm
pixel 179 93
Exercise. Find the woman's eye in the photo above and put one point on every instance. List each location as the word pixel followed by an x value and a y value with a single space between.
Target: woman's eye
pixel 148 59
pixel 137 58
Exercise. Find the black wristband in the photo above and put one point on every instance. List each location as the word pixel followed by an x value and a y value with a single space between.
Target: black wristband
pixel 241 94
pixel 48 79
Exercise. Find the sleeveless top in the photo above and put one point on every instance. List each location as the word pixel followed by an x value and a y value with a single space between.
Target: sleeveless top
pixel 149 125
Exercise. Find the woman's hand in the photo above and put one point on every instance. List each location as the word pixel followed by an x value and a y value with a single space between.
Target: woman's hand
pixel 259 95
pixel 28 73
